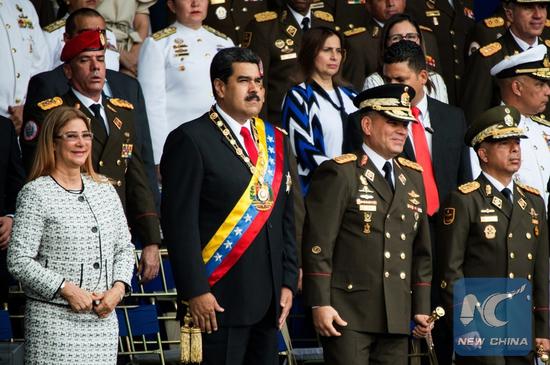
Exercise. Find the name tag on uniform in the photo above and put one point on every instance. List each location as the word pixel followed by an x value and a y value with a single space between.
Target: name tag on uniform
pixel 289 56
pixel 488 218
pixel 433 13
pixel 367 208
pixel 216 2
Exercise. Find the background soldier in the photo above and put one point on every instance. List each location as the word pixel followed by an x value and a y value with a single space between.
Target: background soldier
pixel 494 227
pixel 112 122
pixel 367 241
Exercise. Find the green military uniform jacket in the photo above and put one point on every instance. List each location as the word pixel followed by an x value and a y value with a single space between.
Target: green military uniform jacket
pixel 363 56
pixel 367 252
pixel 482 234
pixel 348 14
pixel 276 38
pixel 480 90
pixel 450 26
pixel 113 156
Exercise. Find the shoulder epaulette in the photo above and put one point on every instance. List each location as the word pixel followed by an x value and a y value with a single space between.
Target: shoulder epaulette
pixel 540 119
pixel 490 49
pixel 410 164
pixel 528 188
pixel 547 23
pixel 547 42
pixel 215 32
pixel 54 26
pixel 163 33
pixel 469 187
pixel 50 103
pixel 348 157
pixel 283 131
pixel 264 16
pixel 121 103
pixel 323 15
pixel 426 28
pixel 354 31
pixel 494 22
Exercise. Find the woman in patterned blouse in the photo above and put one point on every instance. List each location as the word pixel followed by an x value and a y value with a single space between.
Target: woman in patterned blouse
pixel 70 249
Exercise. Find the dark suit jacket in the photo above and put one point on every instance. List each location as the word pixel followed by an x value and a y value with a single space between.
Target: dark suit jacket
pixel 203 178
pixel 12 177
pixel 450 155
pixel 52 83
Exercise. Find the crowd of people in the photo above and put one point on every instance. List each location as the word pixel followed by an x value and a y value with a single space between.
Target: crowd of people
pixel 365 155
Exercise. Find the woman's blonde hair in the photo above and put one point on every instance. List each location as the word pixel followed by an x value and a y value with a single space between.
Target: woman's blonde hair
pixel 44 159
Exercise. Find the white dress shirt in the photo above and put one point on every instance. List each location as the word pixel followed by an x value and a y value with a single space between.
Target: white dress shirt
pixel 299 17
pixel 498 185
pixel 23 51
pixel 522 44
pixel 379 161
pixel 87 102
pixel 235 126
pixel 174 72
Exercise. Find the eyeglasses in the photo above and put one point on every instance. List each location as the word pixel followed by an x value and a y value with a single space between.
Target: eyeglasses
pixel 75 136
pixel 413 37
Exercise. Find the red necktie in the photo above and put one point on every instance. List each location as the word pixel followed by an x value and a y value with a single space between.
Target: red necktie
pixel 423 158
pixel 249 145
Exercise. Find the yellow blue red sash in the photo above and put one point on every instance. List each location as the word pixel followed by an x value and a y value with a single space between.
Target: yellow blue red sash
pixel 245 220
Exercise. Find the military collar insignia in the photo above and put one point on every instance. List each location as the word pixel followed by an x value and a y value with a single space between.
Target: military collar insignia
pixel 291 30
pixel 402 178
pixel 488 189
pixel 497 202
pixel 522 203
pixel 369 175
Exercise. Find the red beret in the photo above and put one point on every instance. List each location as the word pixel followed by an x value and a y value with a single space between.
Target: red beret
pixel 89 40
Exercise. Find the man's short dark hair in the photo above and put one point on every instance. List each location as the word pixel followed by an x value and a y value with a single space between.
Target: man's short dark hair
pixel 222 63
pixel 70 24
pixel 406 51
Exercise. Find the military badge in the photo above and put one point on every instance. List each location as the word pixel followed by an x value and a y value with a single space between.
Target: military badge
pixel 288 182
pixel 111 108
pixel 402 178
pixel 279 43
pixel 221 13
pixel 536 231
pixel 369 175
pixel 30 131
pixel 522 203
pixel 117 122
pixel 316 250
pixel 490 232
pixel 291 30
pixel 497 202
pixel 366 228
pixel 508 120
pixel 448 216
pixel 261 196
pixel 24 22
pixel 127 149
pixel 364 160
pixel 102 39
pixel 488 189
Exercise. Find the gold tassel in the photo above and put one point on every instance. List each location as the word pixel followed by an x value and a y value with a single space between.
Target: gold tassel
pixel 191 341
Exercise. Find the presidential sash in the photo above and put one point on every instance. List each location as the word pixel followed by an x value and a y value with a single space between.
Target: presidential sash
pixel 246 219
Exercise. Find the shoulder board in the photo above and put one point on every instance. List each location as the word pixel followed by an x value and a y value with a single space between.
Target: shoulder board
pixel 163 33
pixel 264 16
pixel 410 164
pixel 469 187
pixel 121 103
pixel 528 188
pixel 54 26
pixel 547 23
pixel 426 28
pixel 50 103
pixel 323 15
pixel 540 120
pixel 215 32
pixel 547 42
pixel 354 31
pixel 490 49
pixel 494 22
pixel 282 131
pixel 348 157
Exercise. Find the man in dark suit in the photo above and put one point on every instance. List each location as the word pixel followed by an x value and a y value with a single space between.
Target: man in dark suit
pixel 366 251
pixel 480 219
pixel 479 90
pixel 112 122
pixel 118 85
pixel 12 177
pixel 227 217
pixel 276 37
pixel 436 143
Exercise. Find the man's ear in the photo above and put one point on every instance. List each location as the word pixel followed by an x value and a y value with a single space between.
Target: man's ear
pixel 366 125
pixel 482 154
pixel 219 87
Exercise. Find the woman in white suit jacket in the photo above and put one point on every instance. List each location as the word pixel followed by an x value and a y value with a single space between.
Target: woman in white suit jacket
pixel 70 248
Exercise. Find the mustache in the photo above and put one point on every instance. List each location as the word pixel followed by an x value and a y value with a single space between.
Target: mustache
pixel 252 96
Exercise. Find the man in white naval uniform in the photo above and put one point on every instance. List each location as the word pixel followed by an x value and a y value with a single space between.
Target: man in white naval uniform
pixel 174 70
pixel 23 53
pixel 56 36
pixel 523 82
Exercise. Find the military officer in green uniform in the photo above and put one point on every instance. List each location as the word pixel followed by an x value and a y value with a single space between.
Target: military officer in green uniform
pixel 276 38
pixel 112 122
pixel 232 16
pixel 362 43
pixel 348 14
pixel 527 21
pixel 494 227
pixel 366 248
